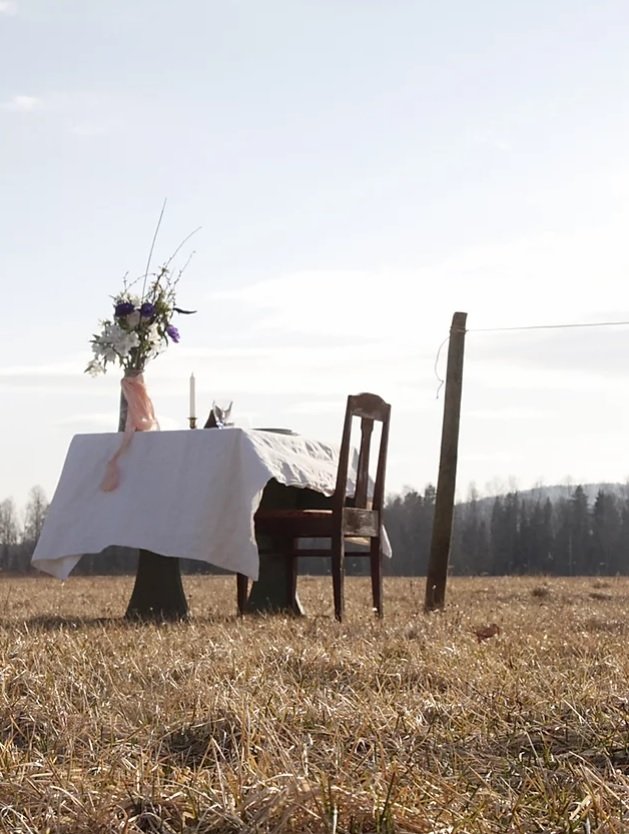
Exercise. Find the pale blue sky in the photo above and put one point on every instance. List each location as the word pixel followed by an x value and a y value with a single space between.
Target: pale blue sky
pixel 361 170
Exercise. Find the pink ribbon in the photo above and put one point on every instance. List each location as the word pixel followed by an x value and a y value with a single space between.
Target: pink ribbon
pixel 140 417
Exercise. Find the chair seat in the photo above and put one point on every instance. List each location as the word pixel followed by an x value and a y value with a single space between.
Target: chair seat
pixel 291 512
pixel 295 523
pixel 306 523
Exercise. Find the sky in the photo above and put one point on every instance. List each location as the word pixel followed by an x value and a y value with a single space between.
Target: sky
pixel 360 170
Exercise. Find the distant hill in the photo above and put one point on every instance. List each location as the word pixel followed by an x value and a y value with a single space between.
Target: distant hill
pixel 555 493
pixel 564 491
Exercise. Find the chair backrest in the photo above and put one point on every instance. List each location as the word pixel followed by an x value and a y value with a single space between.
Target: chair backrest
pixel 369 409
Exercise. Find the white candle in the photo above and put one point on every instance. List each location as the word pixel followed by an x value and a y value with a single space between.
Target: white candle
pixel 193 412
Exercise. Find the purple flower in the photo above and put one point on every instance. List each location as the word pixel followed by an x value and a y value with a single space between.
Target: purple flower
pixel 172 331
pixel 123 308
pixel 147 310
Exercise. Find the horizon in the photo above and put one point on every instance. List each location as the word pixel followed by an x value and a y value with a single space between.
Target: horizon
pixel 590 490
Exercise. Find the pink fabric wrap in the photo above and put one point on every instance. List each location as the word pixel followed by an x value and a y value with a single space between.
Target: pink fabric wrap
pixel 140 417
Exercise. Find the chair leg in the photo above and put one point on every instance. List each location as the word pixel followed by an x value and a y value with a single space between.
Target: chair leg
pixel 376 575
pixel 338 576
pixel 291 579
pixel 241 592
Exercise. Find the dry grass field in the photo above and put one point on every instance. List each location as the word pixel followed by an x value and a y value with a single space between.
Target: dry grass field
pixel 272 724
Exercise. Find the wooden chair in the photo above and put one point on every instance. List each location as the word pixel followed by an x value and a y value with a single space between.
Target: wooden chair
pixel 357 516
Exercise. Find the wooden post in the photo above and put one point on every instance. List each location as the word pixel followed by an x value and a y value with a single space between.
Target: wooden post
pixel 444 503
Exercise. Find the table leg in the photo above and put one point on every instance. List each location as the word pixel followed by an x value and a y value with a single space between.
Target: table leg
pixel 275 590
pixel 158 592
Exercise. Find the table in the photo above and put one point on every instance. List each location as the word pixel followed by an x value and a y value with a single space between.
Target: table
pixel 182 494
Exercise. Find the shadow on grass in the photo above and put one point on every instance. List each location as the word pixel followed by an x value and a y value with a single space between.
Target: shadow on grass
pixel 51 622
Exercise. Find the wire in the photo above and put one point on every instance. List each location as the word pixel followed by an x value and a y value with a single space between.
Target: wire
pixel 439 378
pixel 547 326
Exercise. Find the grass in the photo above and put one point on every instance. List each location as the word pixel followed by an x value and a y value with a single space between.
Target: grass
pixel 272 724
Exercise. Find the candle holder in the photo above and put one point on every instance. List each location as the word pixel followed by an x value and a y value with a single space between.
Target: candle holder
pixel 193 422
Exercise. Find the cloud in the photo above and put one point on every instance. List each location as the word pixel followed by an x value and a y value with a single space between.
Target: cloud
pixel 351 304
pixel 506 414
pixel 53 369
pixel 492 138
pixel 22 104
pixel 101 421
pixel 288 369
pixel 8 7
pixel 547 278
pixel 88 129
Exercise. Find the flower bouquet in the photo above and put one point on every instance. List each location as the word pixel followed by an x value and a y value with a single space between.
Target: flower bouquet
pixel 140 328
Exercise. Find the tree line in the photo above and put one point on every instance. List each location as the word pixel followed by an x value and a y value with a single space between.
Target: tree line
pixel 19 533
pixel 535 532
pixel 517 533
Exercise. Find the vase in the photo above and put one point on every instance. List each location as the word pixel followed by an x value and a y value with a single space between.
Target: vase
pixel 122 414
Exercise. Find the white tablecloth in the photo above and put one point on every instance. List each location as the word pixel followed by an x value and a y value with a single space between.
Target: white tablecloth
pixel 187 494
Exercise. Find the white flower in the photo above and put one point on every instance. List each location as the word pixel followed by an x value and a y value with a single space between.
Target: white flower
pixel 126 346
pixel 153 335
pixel 133 319
pixel 94 368
pixel 109 354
